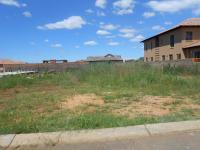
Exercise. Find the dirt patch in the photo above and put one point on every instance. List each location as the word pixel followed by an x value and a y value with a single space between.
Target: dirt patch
pixel 79 100
pixel 148 105
pixel 9 93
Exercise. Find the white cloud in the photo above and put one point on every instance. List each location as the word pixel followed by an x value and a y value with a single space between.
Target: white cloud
pixel 46 40
pixel 70 23
pixel 90 43
pixel 108 26
pixel 101 14
pixel 56 45
pixel 173 6
pixel 167 23
pixel 127 35
pixel 90 11
pixel 149 14
pixel 27 14
pixel 113 43
pixel 158 28
pixel 140 22
pixel 101 3
pixel 110 36
pixel 23 4
pixel 103 32
pixel 122 7
pixel 127 32
pixel 138 38
pixel 10 3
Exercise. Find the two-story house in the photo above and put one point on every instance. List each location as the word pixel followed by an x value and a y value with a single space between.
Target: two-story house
pixel 180 42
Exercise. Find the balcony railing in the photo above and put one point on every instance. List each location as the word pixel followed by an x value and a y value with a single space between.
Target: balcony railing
pixel 196 59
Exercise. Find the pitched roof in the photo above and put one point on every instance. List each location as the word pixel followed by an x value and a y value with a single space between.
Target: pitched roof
pixel 191 22
pixel 7 61
pixel 108 57
pixel 186 23
pixel 196 44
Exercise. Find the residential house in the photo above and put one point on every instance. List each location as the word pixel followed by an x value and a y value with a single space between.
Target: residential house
pixel 178 43
pixel 54 61
pixel 109 58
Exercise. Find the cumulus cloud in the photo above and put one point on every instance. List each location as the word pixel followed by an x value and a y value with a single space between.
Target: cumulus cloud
pixel 89 11
pixel 101 3
pixel 70 23
pixel 103 32
pixel 101 14
pixel 57 45
pixel 172 6
pixel 10 3
pixel 149 14
pixel 27 14
pixel 167 23
pixel 122 7
pixel 108 26
pixel 127 32
pixel 138 38
pixel 90 43
pixel 158 28
pixel 110 36
pixel 113 43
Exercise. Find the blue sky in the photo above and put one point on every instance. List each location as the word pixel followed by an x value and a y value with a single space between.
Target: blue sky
pixel 33 30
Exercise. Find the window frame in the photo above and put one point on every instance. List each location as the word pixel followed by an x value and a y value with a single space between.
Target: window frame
pixel 178 56
pixel 172 40
pixel 189 36
pixel 171 57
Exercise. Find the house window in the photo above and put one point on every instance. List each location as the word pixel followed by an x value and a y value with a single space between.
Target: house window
pixel 151 58
pixel 146 59
pixel 146 46
pixel 163 58
pixel 188 36
pixel 172 41
pixel 157 42
pixel 151 45
pixel 170 57
pixel 178 56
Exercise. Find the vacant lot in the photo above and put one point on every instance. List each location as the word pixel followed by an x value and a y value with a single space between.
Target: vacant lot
pixel 98 96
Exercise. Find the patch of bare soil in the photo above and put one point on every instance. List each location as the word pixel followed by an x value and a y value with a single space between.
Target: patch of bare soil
pixel 148 105
pixel 9 93
pixel 80 100
pixel 2 108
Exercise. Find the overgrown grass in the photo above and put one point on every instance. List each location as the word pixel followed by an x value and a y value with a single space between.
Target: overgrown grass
pixel 30 103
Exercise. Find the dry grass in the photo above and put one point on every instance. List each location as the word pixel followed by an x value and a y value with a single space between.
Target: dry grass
pixel 146 105
pixel 80 100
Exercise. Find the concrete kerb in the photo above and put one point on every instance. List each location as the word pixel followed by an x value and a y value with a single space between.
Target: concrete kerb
pixel 166 128
pixel 70 137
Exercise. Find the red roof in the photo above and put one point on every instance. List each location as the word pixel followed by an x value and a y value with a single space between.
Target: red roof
pixel 187 23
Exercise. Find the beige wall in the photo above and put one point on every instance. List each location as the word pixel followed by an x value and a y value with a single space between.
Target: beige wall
pixel 165 48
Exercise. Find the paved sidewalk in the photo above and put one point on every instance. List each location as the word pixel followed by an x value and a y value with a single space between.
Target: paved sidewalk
pixel 115 136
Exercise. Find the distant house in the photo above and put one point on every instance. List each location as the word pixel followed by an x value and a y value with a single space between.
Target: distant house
pixel 109 58
pixel 54 61
pixel 4 62
pixel 177 43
